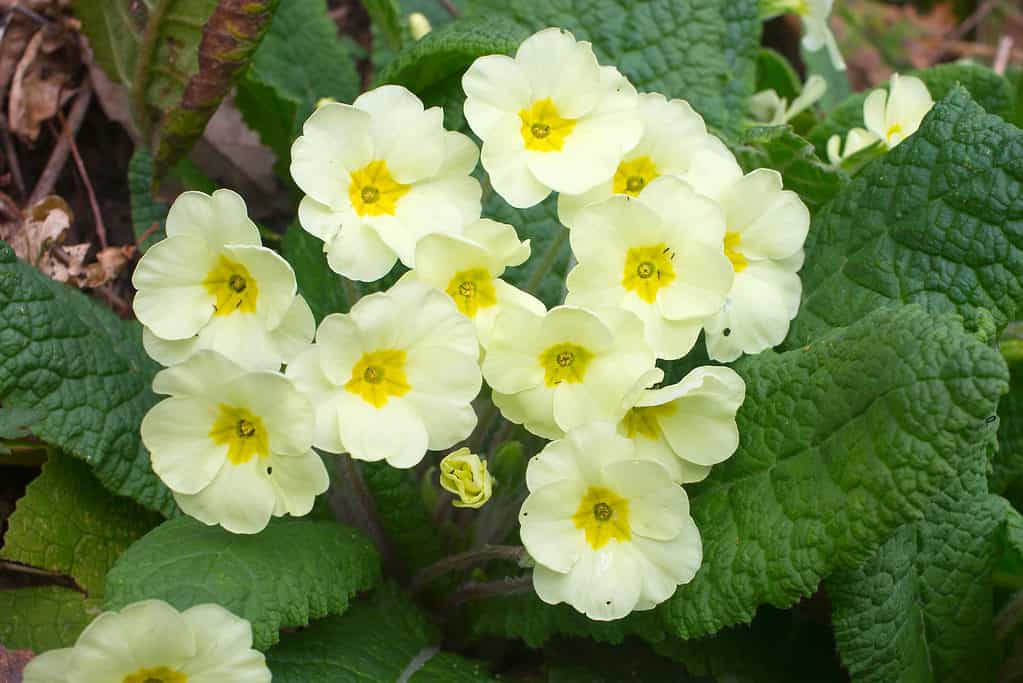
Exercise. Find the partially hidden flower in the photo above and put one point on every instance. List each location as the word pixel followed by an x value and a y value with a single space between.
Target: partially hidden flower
pixel 856 140
pixel 463 474
pixel 554 372
pixel 817 32
pixel 610 533
pixel 766 228
pixel 392 378
pixel 418 25
pixel 675 142
pixel 895 114
pixel 212 285
pixel 379 175
pixel 658 255
pixel 468 267
pixel 233 445
pixel 771 109
pixel 151 641
pixel 687 427
pixel 551 118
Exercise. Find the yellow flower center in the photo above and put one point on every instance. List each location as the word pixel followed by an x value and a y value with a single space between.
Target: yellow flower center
pixel 632 176
pixel 373 191
pixel 233 287
pixel 472 290
pixel 894 130
pixel 647 270
pixel 565 362
pixel 603 515
pixel 378 376
pixel 732 241
pixel 543 129
pixel 644 421
pixel 159 674
pixel 243 433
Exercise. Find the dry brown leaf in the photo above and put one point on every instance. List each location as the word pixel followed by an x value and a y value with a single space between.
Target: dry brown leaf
pixel 17 33
pixel 44 73
pixel 12 664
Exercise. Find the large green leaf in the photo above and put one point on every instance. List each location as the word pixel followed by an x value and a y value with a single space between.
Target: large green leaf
pixel 148 216
pixel 830 465
pixel 291 572
pixel 990 90
pixel 69 524
pixel 378 639
pixel 704 52
pixel 300 60
pixel 921 608
pixel 937 221
pixel 69 357
pixel 323 289
pixel 45 617
pixel 1007 465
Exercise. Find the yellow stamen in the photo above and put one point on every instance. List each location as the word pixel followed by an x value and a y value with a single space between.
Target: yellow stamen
pixel 243 433
pixel 472 290
pixel 644 421
pixel 647 270
pixel 732 241
pixel 234 288
pixel 158 674
pixel 632 176
pixel 603 515
pixel 373 191
pixel 543 128
pixel 894 130
pixel 564 362
pixel 378 376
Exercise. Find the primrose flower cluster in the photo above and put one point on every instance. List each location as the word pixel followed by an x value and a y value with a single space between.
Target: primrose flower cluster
pixel 669 237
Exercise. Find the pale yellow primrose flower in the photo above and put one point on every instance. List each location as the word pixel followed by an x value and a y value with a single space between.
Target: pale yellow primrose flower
pixel 232 445
pixel 468 267
pixel 418 25
pixel 766 228
pixel 551 118
pixel 151 641
pixel 658 255
pixel 610 533
pixel 689 426
pixel 770 109
pixel 675 142
pixel 392 378
pixel 816 31
pixel 379 175
pixel 571 366
pixel 896 114
pixel 212 285
pixel 465 475
pixel 856 140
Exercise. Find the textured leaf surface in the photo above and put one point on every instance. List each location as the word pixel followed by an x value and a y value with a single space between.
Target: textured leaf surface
pixel 375 641
pixel 775 73
pixel 68 523
pixel 147 214
pixel 291 572
pixel 1007 465
pixel 322 288
pixel 44 618
pixel 921 608
pixel 938 221
pixel 990 91
pixel 73 359
pixel 828 465
pixel 300 60
pixel 779 147
pixel 704 52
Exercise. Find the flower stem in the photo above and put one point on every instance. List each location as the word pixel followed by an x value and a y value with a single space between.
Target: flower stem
pixel 479 591
pixel 471 558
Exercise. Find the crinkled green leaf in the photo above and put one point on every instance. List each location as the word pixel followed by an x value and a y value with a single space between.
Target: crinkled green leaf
pixel 300 60
pixel 937 221
pixel 15 423
pixel 990 90
pixel 921 608
pixel 289 573
pixel 704 52
pixel 779 147
pixel 68 356
pixel 1007 464
pixel 44 618
pixel 148 215
pixel 323 289
pixel 1009 566
pixel 775 73
pixel 379 638
pixel 830 465
pixel 67 523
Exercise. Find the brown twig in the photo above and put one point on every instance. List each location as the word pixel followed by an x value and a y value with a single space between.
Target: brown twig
pixel 12 156
pixel 149 231
pixel 1003 54
pixel 62 150
pixel 973 21
pixel 101 228
pixel 450 7
pixel 478 591
pixel 471 558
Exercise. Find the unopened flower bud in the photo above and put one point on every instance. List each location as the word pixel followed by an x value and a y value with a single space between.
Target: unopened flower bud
pixel 465 475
